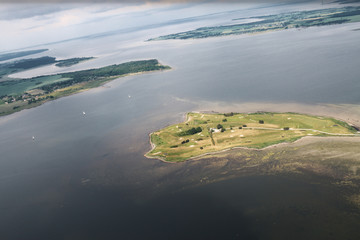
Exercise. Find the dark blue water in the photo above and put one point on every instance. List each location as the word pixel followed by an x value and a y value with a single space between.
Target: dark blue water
pixel 244 208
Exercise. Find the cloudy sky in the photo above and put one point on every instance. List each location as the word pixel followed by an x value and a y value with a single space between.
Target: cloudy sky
pixel 29 24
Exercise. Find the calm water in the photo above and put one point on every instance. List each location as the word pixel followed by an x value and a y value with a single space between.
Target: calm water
pixel 85 177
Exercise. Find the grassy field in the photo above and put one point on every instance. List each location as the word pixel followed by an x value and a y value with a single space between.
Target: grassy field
pixel 206 133
pixel 277 22
pixel 17 87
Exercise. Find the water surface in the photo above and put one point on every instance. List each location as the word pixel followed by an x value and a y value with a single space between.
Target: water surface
pixel 85 176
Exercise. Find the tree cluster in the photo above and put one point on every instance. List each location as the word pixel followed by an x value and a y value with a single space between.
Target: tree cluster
pixel 191 131
pixel 104 72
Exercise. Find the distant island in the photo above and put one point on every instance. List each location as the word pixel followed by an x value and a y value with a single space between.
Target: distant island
pixel 204 133
pixel 71 61
pixel 17 94
pixel 12 67
pixel 12 55
pixel 282 21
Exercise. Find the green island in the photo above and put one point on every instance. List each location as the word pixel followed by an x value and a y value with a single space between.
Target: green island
pixel 18 94
pixel 204 133
pixel 12 67
pixel 71 61
pixel 282 21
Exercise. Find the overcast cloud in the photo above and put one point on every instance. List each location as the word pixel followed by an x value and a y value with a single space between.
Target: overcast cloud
pixel 25 25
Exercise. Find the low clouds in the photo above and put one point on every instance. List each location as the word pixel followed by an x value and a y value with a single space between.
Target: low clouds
pixel 25 25
pixel 31 24
pixel 21 11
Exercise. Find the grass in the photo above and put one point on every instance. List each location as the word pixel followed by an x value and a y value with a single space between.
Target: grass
pixel 19 86
pixel 171 146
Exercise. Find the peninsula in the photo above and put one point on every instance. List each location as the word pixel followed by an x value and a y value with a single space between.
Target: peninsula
pixel 17 94
pixel 204 133
pixel 276 22
pixel 12 67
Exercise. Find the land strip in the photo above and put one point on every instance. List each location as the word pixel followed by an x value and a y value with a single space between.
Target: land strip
pixel 18 94
pixel 202 134
pixel 277 22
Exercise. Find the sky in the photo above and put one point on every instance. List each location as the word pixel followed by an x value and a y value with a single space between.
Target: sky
pixel 29 24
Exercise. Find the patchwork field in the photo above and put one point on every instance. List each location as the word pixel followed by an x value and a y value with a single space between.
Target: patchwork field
pixel 206 133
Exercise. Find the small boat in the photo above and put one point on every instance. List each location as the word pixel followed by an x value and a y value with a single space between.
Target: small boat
pixel 129 96
pixel 84 113
pixel 33 138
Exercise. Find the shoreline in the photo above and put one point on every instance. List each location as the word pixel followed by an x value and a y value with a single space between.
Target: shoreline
pixel 101 84
pixel 237 148
pixel 153 146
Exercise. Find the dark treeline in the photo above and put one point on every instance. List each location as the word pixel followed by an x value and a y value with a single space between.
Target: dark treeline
pixel 71 61
pixel 33 62
pixel 191 131
pixel 228 114
pixel 8 56
pixel 104 72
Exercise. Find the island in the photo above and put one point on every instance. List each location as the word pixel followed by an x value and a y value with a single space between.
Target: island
pixel 12 67
pixel 17 94
pixel 276 22
pixel 11 55
pixel 206 133
pixel 71 61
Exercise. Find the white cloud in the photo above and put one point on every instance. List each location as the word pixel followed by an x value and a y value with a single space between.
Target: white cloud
pixel 25 25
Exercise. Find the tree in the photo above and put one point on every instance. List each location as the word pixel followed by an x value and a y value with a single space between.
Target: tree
pixel 191 131
pixel 219 126
pixel 228 114
pixel 261 121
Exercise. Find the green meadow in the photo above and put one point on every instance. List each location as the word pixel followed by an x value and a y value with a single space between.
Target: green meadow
pixel 207 133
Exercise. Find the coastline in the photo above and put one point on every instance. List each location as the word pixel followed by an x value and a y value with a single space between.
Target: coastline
pixel 100 84
pixel 286 143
